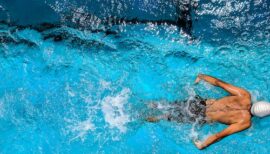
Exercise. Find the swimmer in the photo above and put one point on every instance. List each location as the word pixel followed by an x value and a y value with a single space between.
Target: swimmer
pixel 234 110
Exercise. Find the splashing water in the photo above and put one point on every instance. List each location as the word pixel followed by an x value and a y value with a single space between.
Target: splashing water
pixel 113 110
pixel 82 128
pixel 77 76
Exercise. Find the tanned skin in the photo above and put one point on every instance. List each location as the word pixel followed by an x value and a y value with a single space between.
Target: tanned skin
pixel 232 110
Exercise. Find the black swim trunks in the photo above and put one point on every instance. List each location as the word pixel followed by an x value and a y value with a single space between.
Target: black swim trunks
pixel 188 111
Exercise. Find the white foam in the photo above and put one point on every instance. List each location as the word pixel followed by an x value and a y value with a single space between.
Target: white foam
pixel 104 84
pixel 113 110
pixel 190 90
pixel 82 128
pixel 193 133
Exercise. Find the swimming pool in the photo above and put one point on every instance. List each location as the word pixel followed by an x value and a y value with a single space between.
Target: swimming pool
pixel 68 89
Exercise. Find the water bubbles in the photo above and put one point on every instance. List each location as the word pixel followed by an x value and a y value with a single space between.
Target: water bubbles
pixel 223 50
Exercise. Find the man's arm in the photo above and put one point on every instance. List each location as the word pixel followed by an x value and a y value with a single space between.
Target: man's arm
pixel 228 131
pixel 233 90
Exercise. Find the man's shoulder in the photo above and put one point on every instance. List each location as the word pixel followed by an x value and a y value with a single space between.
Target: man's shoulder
pixel 245 94
pixel 246 100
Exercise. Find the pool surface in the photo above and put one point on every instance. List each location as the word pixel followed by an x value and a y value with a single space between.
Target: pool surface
pixel 72 89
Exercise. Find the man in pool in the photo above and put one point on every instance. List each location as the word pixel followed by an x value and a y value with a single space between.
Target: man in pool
pixel 232 110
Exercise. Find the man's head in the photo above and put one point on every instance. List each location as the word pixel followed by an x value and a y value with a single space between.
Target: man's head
pixel 260 109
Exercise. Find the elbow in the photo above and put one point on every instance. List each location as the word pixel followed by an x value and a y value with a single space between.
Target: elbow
pixel 247 125
pixel 246 94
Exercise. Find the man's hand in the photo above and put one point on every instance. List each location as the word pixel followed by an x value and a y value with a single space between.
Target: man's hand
pixel 199 78
pixel 198 144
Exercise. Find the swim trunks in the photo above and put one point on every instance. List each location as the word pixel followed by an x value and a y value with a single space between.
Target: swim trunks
pixel 188 111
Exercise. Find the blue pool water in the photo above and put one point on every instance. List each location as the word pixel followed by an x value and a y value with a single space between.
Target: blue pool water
pixel 87 93
pixel 66 89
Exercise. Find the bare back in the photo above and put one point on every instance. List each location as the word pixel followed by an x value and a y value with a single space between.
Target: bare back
pixel 229 110
pixel 233 110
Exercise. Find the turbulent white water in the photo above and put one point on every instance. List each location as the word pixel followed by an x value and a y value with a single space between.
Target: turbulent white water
pixel 113 110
